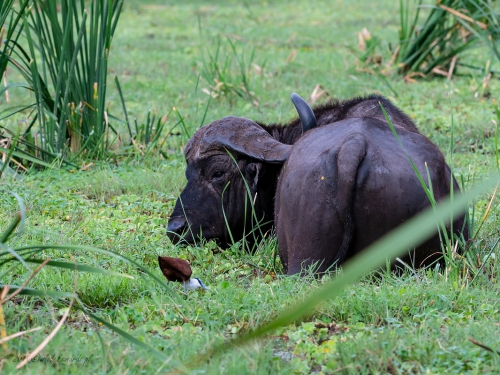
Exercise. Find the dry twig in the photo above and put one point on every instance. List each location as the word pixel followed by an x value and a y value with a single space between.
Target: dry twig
pixel 485 347
pixel 17 291
pixel 17 334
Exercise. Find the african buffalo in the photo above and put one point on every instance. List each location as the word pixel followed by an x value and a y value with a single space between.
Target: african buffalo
pixel 329 192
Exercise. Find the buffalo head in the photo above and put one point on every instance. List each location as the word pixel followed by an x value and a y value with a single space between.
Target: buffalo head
pixel 232 167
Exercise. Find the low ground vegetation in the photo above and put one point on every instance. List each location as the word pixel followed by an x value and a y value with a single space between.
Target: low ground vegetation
pixel 420 322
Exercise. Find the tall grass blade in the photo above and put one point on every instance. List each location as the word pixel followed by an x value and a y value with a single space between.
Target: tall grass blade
pixel 10 229
pixel 150 350
pixel 410 234
pixel 38 248
pixel 65 65
pixel 79 267
pixel 39 293
pixel 10 29
pixel 485 260
pixel 61 296
pixel 450 28
pixel 24 156
pixel 497 135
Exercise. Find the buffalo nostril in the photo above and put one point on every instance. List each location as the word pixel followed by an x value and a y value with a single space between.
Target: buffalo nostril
pixel 175 227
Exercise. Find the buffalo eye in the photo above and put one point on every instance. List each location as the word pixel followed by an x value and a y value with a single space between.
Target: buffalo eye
pixel 217 174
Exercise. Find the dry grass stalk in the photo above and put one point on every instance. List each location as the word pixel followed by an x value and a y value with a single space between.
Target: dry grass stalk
pixel 463 16
pixel 486 80
pixel 44 343
pixel 17 334
pixel 483 346
pixel 56 329
pixel 318 92
pixel 439 71
pixel 292 56
pixel 409 77
pixel 452 67
pixel 3 331
pixel 7 96
pixel 363 36
pixel 4 143
pixel 18 290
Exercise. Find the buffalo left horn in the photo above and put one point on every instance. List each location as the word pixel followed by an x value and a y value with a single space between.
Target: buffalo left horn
pixel 305 112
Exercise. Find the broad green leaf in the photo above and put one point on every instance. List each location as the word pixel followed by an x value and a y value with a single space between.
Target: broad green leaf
pixel 40 293
pixel 78 267
pixel 27 157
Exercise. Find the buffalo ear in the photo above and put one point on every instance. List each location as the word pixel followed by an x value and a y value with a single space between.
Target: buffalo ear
pixel 252 174
pixel 245 137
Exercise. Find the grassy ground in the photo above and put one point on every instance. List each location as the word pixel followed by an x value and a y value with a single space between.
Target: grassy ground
pixel 418 323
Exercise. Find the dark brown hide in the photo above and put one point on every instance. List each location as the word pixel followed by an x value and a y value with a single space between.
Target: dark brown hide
pixel 224 158
pixel 368 185
pixel 337 110
pixel 239 135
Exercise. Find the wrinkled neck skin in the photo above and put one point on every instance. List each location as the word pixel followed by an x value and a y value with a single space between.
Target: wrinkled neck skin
pixel 257 218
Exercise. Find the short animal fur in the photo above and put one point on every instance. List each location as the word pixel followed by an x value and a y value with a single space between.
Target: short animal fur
pixel 329 192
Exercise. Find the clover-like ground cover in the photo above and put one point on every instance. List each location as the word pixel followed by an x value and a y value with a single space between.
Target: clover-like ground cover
pixel 417 323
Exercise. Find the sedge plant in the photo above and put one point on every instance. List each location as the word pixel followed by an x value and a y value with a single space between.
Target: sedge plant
pixel 14 258
pixel 64 61
pixel 450 28
pixel 227 71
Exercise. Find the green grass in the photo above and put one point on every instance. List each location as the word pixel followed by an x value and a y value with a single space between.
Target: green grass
pixel 434 43
pixel 417 323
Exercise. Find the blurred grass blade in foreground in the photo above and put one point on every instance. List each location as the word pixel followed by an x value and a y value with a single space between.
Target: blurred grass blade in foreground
pixel 410 234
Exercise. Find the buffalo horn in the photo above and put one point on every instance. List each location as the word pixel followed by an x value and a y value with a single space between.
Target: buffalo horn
pixel 305 112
